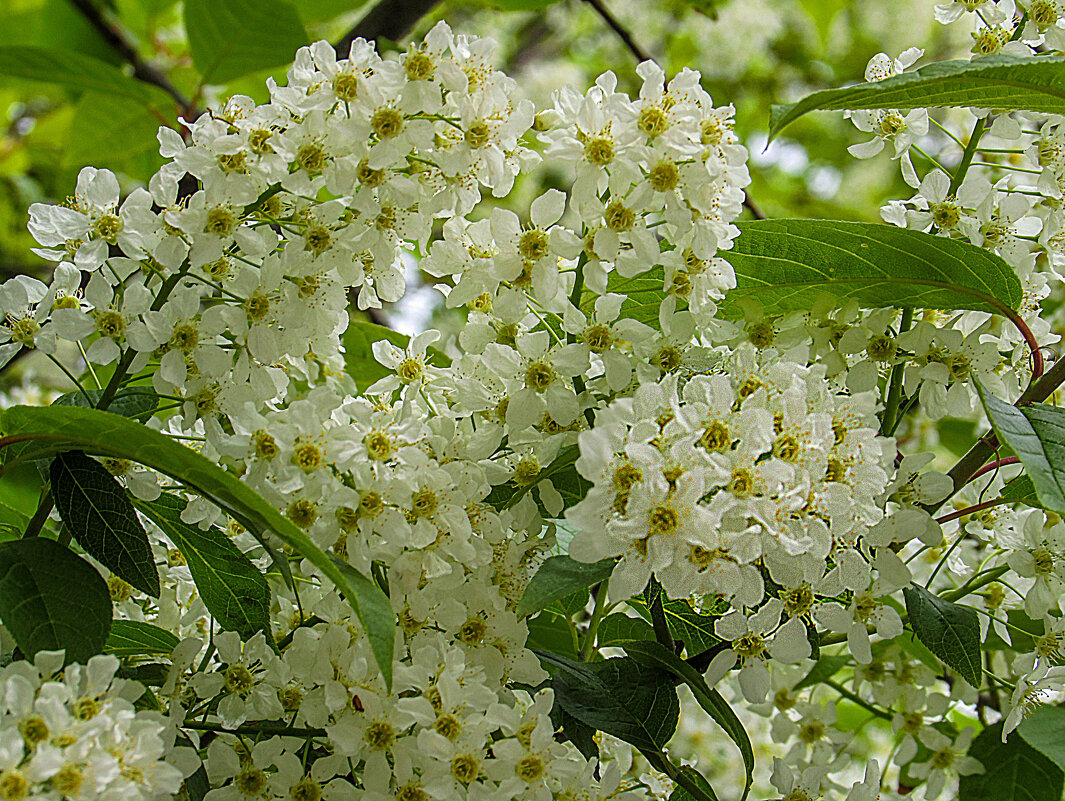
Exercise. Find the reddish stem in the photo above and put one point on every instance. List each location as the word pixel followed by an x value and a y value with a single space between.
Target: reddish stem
pixel 968 510
pixel 987 468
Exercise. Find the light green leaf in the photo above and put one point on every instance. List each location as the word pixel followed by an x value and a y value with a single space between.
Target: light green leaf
pixel 232 38
pixel 52 599
pixel 114 132
pixel 35 432
pixel 695 630
pixel 559 577
pixel 951 631
pixel 359 361
pixel 96 509
pixel 709 699
pixel 231 587
pixel 76 71
pixel 135 638
pixel 635 702
pixel 375 613
pixel 550 631
pixel 1044 730
pixel 1021 490
pixel 1013 771
pixel 1000 82
pixel 791 265
pixel 1037 435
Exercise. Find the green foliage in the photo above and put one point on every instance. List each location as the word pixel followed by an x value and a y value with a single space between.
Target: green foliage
pixel 52 599
pixel 45 431
pixel 1013 771
pixel 951 631
pixel 359 361
pixel 76 71
pixel 232 38
pixel 564 477
pixel 824 669
pixel 1000 82
pixel 374 611
pixel 709 699
pixel 1044 730
pixel 684 793
pixel 792 265
pixel 231 587
pixel 617 630
pixel 635 702
pixel 1035 433
pixel 114 132
pixel 1021 490
pixel 558 577
pixel 551 631
pixel 137 638
pixel 136 402
pixel 96 510
pixel 695 630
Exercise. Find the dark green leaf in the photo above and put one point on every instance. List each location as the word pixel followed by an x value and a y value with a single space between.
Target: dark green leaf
pixel 52 599
pixel 232 38
pixel 951 631
pixel 134 638
pixel 1013 771
pixel 1000 82
pixel 1021 490
pixel 635 702
pixel 1037 435
pixel 825 668
pixel 616 630
pixel 694 781
pixel 695 630
pixel 550 631
pixel 34 432
pixel 374 611
pixel 231 587
pixel 96 509
pixel 559 577
pixel 1044 730
pixel 791 265
pixel 136 402
pixel 709 699
pixel 581 735
pixel 1022 633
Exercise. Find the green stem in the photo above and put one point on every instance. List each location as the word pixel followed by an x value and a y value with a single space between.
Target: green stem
pixel 857 699
pixel 256 728
pixel 44 508
pixel 894 389
pixel 973 584
pixel 593 626
pixel 967 156
pixel 658 617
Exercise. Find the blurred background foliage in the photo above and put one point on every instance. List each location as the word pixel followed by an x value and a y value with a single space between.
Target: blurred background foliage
pixel 90 81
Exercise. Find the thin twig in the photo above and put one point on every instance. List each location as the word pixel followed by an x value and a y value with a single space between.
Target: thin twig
pixel 386 20
pixel 619 29
pixel 142 70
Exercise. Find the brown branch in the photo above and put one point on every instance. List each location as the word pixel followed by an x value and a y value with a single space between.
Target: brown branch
pixel 752 207
pixel 620 30
pixel 386 20
pixel 142 70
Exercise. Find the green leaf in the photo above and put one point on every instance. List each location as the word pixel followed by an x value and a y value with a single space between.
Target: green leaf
pixel 951 631
pixel 709 699
pixel 359 361
pixel 694 777
pixel 822 13
pixel 616 630
pixel 695 630
pixel 133 402
pixel 96 509
pixel 522 5
pixel 550 631
pixel 564 477
pixel 33 432
pixel 1022 632
pixel 1021 490
pixel 1044 730
pixel 1013 771
pixel 76 71
pixel 134 638
pixel 559 577
pixel 52 599
pixel 114 132
pixel 1036 433
pixel 374 611
pixel 1000 82
pixel 231 587
pixel 825 668
pixel 792 265
pixel 12 522
pixel 635 702
pixel 232 38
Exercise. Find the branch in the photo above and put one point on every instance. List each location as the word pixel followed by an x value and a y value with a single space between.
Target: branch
pixel 619 29
pixel 142 70
pixel 386 20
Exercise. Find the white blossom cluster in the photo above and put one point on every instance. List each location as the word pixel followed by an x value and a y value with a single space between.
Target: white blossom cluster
pixel 739 464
